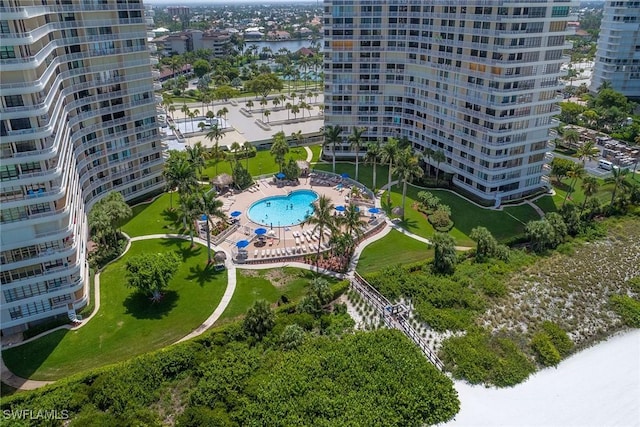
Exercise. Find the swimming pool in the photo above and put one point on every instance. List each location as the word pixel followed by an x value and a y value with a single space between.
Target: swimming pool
pixel 280 211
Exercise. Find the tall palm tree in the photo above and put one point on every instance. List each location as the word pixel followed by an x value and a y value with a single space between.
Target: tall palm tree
pixel 288 106
pixel 279 148
pixel 196 156
pixel 189 210
pixel 321 220
pixel 247 148
pixel 372 157
pixel 590 187
pixel 389 155
pixel 185 109
pixel 211 207
pixel 619 179
pixel 172 172
pixel 249 105
pixel 295 109
pixel 439 157
pixel 576 172
pixel 352 221
pixel 215 134
pixel 407 168
pixel 332 137
pixel 235 147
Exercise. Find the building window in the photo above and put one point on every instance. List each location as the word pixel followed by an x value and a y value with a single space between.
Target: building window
pixel 20 124
pixel 4 27
pixel 13 101
pixel 7 52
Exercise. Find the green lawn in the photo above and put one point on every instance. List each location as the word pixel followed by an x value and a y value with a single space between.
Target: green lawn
pixel 261 164
pixel 316 150
pixel 127 324
pixel 503 224
pixel 269 285
pixel 155 217
pixel 378 255
pixel 577 195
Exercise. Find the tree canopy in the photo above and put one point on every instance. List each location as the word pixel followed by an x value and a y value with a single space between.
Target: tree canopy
pixel 151 273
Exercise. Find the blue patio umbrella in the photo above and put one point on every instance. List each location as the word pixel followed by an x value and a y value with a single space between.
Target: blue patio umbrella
pixel 374 210
pixel 340 208
pixel 280 175
pixel 242 243
pixel 260 231
pixel 203 217
pixel 236 213
pixel 344 175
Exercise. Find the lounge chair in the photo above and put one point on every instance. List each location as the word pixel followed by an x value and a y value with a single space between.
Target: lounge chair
pixel 297 241
pixel 278 251
pixel 262 254
pixel 304 248
pixel 255 253
pixel 288 250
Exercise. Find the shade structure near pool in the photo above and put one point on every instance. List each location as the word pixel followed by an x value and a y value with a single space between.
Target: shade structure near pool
pixel 242 243
pixel 260 231
pixel 280 175
pixel 340 208
pixel 235 213
pixel 344 175
pixel 374 210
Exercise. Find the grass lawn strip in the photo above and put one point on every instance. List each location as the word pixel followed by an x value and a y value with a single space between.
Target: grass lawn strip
pixel 394 248
pixel 269 285
pixel 127 324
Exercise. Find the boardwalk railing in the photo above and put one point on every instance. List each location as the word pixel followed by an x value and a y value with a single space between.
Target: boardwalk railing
pixel 226 233
pixel 396 321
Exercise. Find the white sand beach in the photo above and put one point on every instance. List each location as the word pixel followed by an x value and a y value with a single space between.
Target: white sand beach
pixel 598 387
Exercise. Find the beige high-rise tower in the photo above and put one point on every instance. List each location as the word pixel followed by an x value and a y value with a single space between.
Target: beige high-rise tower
pixel 478 80
pixel 77 120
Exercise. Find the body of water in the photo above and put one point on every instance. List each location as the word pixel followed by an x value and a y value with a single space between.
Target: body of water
pixel 292 45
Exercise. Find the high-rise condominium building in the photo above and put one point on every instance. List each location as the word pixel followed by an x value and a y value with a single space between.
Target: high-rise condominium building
pixel 77 120
pixel 618 52
pixel 478 80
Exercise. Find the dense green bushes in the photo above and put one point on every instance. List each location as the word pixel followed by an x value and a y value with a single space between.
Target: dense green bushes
pixel 306 371
pixel 448 302
pixel 628 308
pixel 480 357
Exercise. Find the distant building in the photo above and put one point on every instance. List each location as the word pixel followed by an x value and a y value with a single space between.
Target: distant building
pixel 191 41
pixel 279 35
pixel 178 11
pixel 618 51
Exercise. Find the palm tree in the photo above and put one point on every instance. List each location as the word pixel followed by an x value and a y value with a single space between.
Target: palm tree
pixel 263 103
pixel 356 139
pixel 587 151
pixel 249 105
pixel 247 147
pixel 571 136
pixel 211 207
pixel 332 137
pixel 389 155
pixel 589 188
pixel 215 134
pixel 172 172
pixel 295 109
pixel 576 172
pixel 297 137
pixel 192 115
pixel 189 210
pixel 266 113
pixel 439 157
pixel 352 221
pixel 372 157
pixel 288 106
pixel 185 109
pixel 428 154
pixel 172 109
pixel 279 148
pixel 235 147
pixel 276 102
pixel 619 179
pixel 196 156
pixel 407 168
pixel 321 220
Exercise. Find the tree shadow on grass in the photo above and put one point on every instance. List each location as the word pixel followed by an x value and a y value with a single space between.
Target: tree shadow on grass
pixel 141 306
pixel 202 275
pixel 171 217
pixel 183 248
pixel 26 359
pixel 409 224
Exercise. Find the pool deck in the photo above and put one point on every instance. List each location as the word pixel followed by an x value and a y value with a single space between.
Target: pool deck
pixel 278 239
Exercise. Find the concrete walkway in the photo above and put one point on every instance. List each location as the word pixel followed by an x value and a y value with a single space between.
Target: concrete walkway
pixel 309 154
